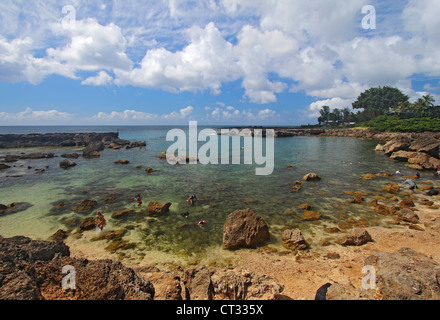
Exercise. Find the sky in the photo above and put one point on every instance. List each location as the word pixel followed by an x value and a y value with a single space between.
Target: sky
pixel 218 62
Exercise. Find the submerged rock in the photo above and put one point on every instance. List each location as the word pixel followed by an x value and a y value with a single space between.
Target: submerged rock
pixel 85 206
pixel 244 228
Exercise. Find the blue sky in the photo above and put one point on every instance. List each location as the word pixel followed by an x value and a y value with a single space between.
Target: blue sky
pixel 246 62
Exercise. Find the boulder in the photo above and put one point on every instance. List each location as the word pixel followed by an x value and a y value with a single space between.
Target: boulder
pixel 85 206
pixel 244 228
pixel 198 284
pixel 67 163
pixel 357 238
pixel 408 215
pixel 427 144
pixel 398 143
pixel 405 275
pixel 242 285
pixel 311 177
pixel 406 204
pixel 155 208
pixel 388 211
pixel 294 240
pixel 392 187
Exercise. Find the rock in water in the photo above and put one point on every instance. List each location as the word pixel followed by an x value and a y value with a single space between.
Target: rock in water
pixel 311 177
pixel 67 163
pixel 85 206
pixel 244 228
pixel 155 208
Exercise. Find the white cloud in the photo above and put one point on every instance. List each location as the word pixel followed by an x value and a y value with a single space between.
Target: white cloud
pixel 203 64
pixel 127 115
pixel 182 114
pixel 29 116
pixel 102 79
pixel 315 47
pixel 92 46
pixel 332 103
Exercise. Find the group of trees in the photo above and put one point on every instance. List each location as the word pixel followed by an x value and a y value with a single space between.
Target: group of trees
pixel 381 101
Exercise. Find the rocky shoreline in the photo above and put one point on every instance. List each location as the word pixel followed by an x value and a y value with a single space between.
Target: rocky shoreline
pixel 419 150
pixel 32 270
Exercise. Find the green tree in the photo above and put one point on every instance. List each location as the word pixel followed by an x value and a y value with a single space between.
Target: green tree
pixel 378 101
pixel 325 114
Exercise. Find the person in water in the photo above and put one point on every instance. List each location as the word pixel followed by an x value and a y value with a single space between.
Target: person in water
pixel 138 198
pixel 100 220
pixel 192 199
pixel 411 183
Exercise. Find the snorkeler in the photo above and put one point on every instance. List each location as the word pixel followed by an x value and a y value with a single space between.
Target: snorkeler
pixel 185 214
pixel 192 199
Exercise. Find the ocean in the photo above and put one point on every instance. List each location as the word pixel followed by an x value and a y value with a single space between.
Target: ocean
pixel 221 189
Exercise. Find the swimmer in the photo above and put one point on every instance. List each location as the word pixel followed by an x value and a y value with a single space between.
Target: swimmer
pixel 201 223
pixel 192 199
pixel 138 198
pixel 398 171
pixel 100 220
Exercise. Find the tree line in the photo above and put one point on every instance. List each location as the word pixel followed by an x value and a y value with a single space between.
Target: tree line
pixel 378 102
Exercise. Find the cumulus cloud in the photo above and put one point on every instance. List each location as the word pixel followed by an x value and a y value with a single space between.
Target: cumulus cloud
pixel 35 117
pixel 271 47
pixel 102 79
pixel 203 64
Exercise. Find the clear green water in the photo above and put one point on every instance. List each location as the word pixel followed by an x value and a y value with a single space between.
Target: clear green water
pixel 220 188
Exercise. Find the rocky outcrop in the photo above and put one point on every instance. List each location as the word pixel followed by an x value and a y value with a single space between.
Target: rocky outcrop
pixel 244 228
pixel 402 275
pixel 55 139
pixel 420 150
pixel 32 270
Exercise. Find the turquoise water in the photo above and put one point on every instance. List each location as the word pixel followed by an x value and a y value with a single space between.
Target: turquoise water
pixel 221 190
